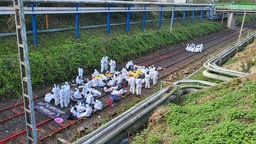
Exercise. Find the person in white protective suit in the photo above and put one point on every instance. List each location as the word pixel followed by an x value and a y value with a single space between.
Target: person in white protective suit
pixel 112 65
pixel 95 82
pixel 102 64
pixel 201 47
pixel 155 76
pixel 112 82
pixel 188 48
pixel 89 98
pixel 98 105
pixel 151 71
pixel 110 89
pixel 87 113
pixel 68 90
pixel 56 95
pixel 101 83
pixel 147 80
pixel 80 72
pixel 96 72
pixel 139 83
pixel 74 112
pixel 132 82
pixel 79 80
pixel 119 79
pixel 125 74
pixel 77 94
pixel 118 92
pixel 63 94
pixel 48 97
pixel 106 63
pixel 129 65
pixel 84 91
pixel 80 107
pixel 94 92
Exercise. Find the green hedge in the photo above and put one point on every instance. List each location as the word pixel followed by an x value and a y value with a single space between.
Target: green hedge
pixel 59 62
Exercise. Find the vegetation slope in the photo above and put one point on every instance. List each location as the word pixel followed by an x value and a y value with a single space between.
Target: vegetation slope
pixel 221 114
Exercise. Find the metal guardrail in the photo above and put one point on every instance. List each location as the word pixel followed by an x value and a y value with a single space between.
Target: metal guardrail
pixel 213 69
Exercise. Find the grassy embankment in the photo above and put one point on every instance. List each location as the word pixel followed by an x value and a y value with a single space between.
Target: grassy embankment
pixel 222 114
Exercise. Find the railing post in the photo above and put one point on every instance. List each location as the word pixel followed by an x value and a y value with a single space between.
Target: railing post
pixel 193 14
pixel 128 16
pixel 201 15
pixel 184 15
pixel 160 16
pixel 143 25
pixel 173 16
pixel 34 27
pixel 108 20
pixel 77 23
pixel 209 11
pixel 46 22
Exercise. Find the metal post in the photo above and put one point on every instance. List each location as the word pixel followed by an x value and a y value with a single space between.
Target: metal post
pixel 172 21
pixel 241 29
pixel 173 16
pixel 209 14
pixel 184 15
pixel 34 28
pixel 46 22
pixel 144 18
pixel 201 16
pixel 27 92
pixel 77 23
pixel 193 15
pixel 108 21
pixel 222 19
pixel 160 17
pixel 128 16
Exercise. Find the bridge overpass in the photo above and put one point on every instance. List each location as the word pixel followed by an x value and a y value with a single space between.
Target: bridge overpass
pixel 232 10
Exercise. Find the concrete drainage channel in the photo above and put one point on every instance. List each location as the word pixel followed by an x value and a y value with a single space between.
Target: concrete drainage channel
pixel 133 119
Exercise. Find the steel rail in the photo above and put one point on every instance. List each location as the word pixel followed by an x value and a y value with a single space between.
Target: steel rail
pixel 211 50
pixel 196 53
pixel 23 131
pixel 179 51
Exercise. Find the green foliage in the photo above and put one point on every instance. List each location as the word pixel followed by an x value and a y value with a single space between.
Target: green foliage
pixel 248 18
pixel 223 114
pixel 58 55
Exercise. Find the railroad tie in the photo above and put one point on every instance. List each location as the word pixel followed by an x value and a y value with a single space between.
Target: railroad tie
pixel 52 127
pixel 15 111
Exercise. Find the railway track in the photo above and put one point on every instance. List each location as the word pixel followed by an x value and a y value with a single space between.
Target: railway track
pixel 170 60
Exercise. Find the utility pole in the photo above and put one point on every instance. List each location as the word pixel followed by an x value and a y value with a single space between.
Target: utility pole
pixel 241 29
pixel 27 92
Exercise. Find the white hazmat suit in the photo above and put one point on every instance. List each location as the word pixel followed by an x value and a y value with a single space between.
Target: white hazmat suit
pixel 132 81
pixel 98 105
pixel 139 82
